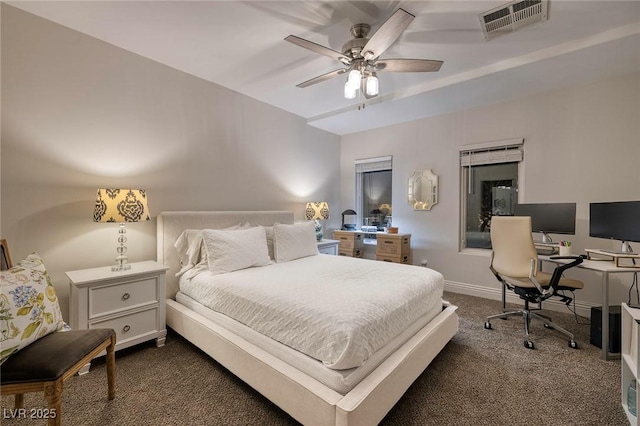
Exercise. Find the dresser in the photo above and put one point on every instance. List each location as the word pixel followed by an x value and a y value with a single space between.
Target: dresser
pixel 351 243
pixel 394 248
pixel 131 302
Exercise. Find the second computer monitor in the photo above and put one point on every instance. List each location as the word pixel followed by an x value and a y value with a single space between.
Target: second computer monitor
pixel 549 218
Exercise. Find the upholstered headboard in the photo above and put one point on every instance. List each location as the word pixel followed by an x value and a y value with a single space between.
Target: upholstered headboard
pixel 171 225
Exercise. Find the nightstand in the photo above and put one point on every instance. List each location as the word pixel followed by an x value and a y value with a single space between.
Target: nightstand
pixel 131 302
pixel 328 247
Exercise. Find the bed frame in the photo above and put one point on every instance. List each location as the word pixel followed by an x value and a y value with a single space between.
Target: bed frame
pixel 304 398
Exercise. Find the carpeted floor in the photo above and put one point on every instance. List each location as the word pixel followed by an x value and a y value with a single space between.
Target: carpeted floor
pixel 482 377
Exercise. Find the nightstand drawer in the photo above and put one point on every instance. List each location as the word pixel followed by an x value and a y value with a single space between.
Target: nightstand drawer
pixel 115 298
pixel 131 326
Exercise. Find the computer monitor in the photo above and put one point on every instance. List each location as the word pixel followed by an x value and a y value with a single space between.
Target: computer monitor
pixel 615 221
pixel 549 218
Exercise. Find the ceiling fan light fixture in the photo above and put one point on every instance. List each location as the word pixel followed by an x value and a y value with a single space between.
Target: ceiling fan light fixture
pixel 372 85
pixel 353 81
pixel 361 55
pixel 349 91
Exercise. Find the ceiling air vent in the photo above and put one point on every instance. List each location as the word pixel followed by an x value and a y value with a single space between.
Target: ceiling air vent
pixel 513 16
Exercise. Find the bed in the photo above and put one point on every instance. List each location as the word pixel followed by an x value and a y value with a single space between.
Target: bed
pixel 349 396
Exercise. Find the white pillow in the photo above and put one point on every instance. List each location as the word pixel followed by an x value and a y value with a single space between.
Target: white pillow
pixel 294 241
pixel 269 231
pixel 229 251
pixel 189 247
pixel 185 246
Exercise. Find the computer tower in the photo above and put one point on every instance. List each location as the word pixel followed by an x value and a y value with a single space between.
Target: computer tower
pixel 615 325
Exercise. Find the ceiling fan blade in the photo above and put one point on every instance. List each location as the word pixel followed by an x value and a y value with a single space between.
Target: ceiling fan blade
pixel 323 77
pixel 317 48
pixel 408 65
pixel 387 34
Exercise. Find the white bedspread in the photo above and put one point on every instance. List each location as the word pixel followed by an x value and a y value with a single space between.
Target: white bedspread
pixel 338 310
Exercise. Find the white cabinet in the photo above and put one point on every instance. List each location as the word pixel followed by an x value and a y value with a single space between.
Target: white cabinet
pixel 131 302
pixel 328 247
pixel 630 349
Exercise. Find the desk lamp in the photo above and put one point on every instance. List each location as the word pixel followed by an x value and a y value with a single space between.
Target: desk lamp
pixel 121 206
pixel 348 226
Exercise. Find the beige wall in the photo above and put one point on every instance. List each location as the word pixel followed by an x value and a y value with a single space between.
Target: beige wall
pixel 79 114
pixel 581 145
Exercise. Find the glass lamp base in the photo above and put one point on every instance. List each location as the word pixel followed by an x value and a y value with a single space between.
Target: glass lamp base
pixel 121 258
pixel 120 267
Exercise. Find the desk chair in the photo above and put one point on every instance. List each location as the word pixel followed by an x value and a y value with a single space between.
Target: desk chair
pixel 514 262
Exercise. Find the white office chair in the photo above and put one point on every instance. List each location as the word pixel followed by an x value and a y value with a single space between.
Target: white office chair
pixel 514 262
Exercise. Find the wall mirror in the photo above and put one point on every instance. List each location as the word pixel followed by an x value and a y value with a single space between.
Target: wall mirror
pixel 423 189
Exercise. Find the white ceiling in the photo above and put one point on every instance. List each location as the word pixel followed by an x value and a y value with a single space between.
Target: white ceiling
pixel 239 45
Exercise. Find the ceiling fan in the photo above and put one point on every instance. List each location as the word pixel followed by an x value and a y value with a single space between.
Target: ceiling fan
pixel 361 56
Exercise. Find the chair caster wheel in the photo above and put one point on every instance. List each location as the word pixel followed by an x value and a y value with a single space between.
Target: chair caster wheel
pixel 528 344
pixel 487 325
pixel 573 344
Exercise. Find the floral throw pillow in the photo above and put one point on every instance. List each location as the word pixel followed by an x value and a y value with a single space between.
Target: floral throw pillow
pixel 29 306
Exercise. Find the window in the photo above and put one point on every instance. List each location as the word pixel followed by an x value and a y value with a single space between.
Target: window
pixel 373 192
pixel 489 184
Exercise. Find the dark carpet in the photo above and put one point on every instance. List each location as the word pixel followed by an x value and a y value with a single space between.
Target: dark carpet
pixel 482 377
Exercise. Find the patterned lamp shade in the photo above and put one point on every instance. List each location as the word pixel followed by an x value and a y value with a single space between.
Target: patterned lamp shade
pixel 317 210
pixel 121 205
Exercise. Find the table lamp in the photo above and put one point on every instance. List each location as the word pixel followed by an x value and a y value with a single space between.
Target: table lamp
pixel 121 206
pixel 316 211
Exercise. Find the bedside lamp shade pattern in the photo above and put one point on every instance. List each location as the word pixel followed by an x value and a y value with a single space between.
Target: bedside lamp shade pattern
pixel 316 211
pixel 121 206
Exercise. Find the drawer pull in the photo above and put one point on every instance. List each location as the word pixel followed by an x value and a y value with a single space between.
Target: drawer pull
pixel 126 328
pixel 126 296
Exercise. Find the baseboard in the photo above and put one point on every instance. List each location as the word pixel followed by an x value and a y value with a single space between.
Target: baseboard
pixel 583 309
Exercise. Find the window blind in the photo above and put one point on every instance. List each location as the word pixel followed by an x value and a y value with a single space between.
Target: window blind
pixel 510 151
pixel 373 164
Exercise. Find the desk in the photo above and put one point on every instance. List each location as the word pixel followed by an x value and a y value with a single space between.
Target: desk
pixel 394 248
pixel 606 268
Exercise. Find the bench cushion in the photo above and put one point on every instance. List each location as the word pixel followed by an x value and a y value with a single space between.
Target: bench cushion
pixel 49 357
